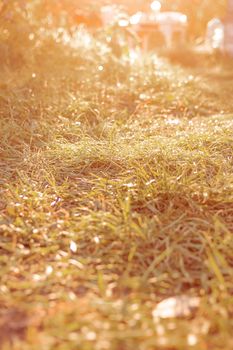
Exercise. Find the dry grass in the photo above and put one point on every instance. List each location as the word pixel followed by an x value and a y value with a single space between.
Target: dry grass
pixel 116 193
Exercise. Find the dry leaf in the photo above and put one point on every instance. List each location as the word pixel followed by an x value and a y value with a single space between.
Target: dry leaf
pixel 179 306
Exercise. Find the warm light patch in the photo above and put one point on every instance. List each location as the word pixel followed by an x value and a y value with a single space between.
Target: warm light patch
pixel 123 22
pixel 136 18
pixel 156 6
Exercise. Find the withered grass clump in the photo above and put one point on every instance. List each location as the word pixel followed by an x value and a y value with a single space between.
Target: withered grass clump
pixel 116 193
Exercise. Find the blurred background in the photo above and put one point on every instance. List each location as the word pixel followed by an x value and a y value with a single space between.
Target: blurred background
pixel 25 25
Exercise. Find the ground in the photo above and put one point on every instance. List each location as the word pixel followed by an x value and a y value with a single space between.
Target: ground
pixel 116 194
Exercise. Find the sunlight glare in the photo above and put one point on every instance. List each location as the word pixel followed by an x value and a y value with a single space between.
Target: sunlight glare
pixel 156 6
pixel 218 37
pixel 133 56
pixel 123 22
pixel 136 18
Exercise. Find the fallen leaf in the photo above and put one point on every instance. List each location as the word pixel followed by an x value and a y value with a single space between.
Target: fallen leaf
pixel 179 306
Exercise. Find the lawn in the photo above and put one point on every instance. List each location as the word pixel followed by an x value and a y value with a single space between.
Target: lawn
pixel 116 190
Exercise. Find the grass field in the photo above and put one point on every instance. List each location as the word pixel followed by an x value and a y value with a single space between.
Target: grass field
pixel 116 194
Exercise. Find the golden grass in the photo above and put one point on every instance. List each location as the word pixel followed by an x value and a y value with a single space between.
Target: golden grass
pixel 116 193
